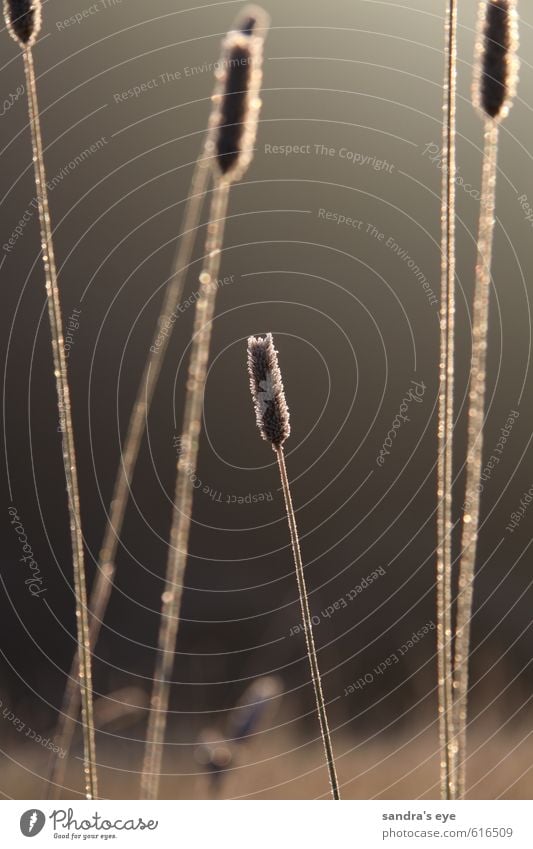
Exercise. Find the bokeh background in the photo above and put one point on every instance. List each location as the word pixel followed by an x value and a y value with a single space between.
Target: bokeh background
pixel 356 87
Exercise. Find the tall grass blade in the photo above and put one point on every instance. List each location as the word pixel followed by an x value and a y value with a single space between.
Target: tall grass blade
pixel 494 86
pixel 446 420
pixel 23 19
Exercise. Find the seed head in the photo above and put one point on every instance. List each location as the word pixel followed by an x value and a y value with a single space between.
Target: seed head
pixel 233 123
pixel 271 411
pixel 23 18
pixel 496 68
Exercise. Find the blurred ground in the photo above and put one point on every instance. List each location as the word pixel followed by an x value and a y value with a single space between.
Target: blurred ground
pixel 390 768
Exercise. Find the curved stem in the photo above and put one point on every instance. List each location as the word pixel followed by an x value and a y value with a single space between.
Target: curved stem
pixel 476 412
pixel 308 627
pixel 65 416
pixel 181 523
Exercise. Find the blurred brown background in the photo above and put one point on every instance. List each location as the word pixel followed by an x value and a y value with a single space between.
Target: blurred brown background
pixel 356 89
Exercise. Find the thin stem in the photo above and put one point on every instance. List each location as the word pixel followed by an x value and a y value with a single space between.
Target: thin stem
pixel 308 627
pixel 66 726
pixel 65 416
pixel 446 422
pixel 106 568
pixel 181 522
pixel 476 412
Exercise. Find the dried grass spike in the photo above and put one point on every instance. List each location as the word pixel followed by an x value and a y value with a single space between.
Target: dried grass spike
pixel 271 411
pixel 23 18
pixel 237 104
pixel 272 418
pixel 497 64
pixel 65 414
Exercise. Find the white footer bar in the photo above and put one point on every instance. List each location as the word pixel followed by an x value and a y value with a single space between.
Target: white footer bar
pixel 268 825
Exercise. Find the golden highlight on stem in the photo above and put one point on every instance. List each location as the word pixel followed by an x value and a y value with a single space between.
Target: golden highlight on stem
pixel 69 453
pixel 107 567
pixel 476 412
pixel 308 627
pixel 445 415
pixel 183 500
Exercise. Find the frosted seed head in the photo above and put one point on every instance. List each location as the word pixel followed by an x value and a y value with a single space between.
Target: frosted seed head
pixel 496 66
pixel 266 385
pixel 235 115
pixel 23 19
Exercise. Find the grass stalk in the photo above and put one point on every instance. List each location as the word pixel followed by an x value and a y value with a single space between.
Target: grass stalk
pixel 179 536
pixel 445 415
pixel 308 627
pixel 476 412
pixel 65 415
pixel 495 78
pixel 272 419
